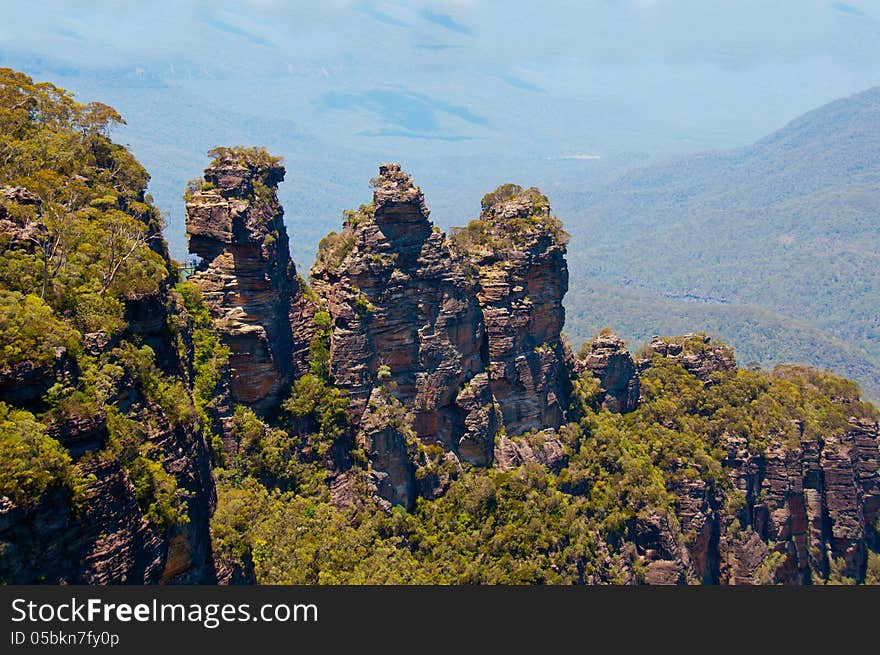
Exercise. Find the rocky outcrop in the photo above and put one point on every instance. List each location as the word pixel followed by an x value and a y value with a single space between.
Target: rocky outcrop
pixel 25 383
pixel 400 300
pixel 389 442
pixel 795 511
pixel 107 539
pixel 608 360
pixel 466 330
pixel 815 502
pixel 113 545
pixel 235 224
pixel 19 217
pixel 104 537
pixel 542 448
pixel 695 352
pixel 517 252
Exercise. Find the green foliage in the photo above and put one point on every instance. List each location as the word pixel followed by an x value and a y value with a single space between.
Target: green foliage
pixel 159 497
pixel 125 437
pixel 334 248
pixel 31 462
pixel 766 572
pixel 157 493
pixel 500 234
pixel 314 398
pixel 29 331
pixel 872 574
pixel 586 395
pixel 269 454
pixel 836 575
pixel 88 244
pixel 363 305
pixel 319 347
pixel 490 527
pixel 505 192
pixel 530 525
pixel 166 392
pixel 210 358
pixel 254 156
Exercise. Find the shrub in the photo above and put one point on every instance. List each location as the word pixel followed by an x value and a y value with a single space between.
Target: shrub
pixel 31 462
pixel 157 493
pixel 326 405
pixel 29 331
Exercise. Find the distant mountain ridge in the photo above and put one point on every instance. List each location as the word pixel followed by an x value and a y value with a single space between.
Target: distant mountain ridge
pixel 790 224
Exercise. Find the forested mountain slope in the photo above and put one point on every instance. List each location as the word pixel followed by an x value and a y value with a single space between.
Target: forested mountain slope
pixel 782 232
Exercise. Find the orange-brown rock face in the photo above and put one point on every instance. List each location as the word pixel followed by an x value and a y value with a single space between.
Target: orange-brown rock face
pixel 517 250
pixel 815 502
pixel 235 224
pixel 608 360
pixel 791 512
pixel 400 298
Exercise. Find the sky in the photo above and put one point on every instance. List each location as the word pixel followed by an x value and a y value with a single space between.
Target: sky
pixel 467 94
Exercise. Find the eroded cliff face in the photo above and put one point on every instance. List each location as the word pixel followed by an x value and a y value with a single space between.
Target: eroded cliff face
pixel 792 510
pixel 400 300
pixel 450 353
pixel 24 383
pixel 607 359
pixel 694 351
pixel 106 538
pixel 516 250
pixel 235 224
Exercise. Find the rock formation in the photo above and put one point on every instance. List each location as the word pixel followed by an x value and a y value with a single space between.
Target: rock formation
pixel 792 513
pixel 19 216
pixel 389 441
pixel 607 358
pixel 399 298
pixel 450 353
pixel 543 448
pixel 235 224
pixel 695 352
pixel 517 251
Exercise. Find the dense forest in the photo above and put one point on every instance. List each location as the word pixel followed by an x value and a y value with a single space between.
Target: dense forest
pixel 114 369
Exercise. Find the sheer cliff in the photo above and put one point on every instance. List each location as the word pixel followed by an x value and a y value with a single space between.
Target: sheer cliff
pixel 399 297
pixel 246 276
pixel 517 251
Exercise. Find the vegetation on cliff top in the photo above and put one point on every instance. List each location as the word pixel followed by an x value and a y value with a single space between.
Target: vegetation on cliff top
pixel 512 217
pixel 252 156
pixel 31 462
